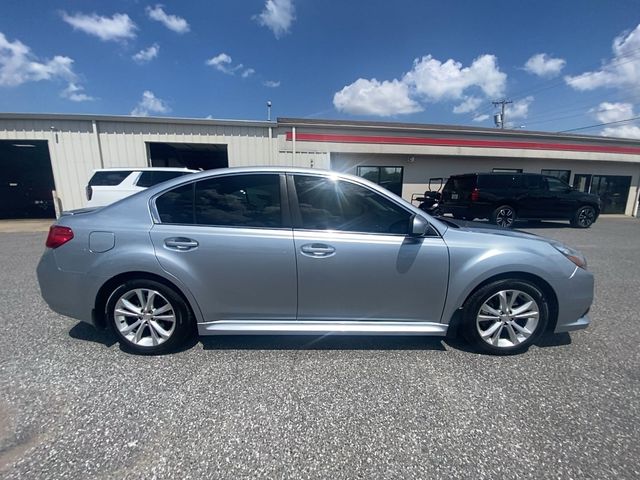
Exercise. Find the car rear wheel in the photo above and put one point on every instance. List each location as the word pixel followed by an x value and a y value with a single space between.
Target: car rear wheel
pixel 584 217
pixel 504 216
pixel 148 317
pixel 505 317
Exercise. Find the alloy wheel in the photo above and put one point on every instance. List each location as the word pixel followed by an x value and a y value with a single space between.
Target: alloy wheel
pixel 508 318
pixel 586 216
pixel 505 217
pixel 144 317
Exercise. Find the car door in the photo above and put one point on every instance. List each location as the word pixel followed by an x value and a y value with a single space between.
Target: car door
pixel 228 239
pixel 535 200
pixel 563 202
pixel 355 260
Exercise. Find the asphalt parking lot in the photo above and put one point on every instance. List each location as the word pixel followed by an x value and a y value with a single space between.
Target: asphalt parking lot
pixel 73 405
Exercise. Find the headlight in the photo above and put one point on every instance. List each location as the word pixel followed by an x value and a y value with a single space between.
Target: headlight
pixel 573 255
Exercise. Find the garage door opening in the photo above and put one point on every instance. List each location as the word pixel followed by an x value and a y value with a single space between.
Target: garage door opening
pixel 26 180
pixel 205 156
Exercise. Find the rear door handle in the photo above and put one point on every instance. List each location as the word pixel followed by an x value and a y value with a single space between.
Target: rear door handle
pixel 317 250
pixel 181 243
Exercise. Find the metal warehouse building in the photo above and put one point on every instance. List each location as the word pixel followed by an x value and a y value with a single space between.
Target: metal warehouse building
pixel 41 153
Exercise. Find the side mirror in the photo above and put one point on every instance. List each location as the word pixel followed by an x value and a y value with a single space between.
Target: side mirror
pixel 419 226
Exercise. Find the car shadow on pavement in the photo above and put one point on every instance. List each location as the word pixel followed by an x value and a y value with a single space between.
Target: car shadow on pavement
pixel 323 342
pixel 84 331
pixel 545 341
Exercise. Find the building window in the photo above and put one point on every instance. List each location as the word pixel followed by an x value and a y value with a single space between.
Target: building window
pixel 507 170
pixel 563 175
pixel 387 177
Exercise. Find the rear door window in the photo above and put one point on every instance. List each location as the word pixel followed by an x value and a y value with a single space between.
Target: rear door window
pixel 109 178
pixel 499 181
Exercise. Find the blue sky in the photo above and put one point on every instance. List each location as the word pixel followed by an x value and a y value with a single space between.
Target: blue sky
pixel 565 64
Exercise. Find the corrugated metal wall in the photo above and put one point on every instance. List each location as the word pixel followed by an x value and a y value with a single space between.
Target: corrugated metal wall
pixel 75 151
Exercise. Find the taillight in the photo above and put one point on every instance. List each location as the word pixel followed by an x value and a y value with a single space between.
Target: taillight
pixel 58 236
pixel 475 194
pixel 89 192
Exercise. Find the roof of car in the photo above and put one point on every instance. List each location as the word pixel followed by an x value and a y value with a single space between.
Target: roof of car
pixel 145 169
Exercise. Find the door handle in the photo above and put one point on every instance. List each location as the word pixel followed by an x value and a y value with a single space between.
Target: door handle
pixel 317 250
pixel 181 243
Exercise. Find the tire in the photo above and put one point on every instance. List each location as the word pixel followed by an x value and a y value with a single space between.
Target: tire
pixel 507 334
pixel 584 217
pixel 157 333
pixel 504 216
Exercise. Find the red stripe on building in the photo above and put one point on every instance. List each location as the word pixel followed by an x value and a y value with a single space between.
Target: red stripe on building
pixel 456 142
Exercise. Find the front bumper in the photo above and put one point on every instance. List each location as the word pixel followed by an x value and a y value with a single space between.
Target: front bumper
pixel 575 296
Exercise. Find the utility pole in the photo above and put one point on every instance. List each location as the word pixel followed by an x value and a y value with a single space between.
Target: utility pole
pixel 502 103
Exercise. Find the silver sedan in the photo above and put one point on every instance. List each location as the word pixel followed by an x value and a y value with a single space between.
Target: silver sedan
pixel 299 251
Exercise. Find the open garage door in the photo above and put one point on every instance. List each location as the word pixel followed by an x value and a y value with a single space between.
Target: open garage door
pixel 205 156
pixel 26 180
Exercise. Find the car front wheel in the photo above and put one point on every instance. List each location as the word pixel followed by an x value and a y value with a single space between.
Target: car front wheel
pixel 148 317
pixel 505 317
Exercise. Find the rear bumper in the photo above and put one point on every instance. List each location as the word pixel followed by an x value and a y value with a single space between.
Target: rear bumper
pixel 474 211
pixel 64 292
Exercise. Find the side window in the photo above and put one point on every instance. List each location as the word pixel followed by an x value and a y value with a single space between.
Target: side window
pixel 151 178
pixel 176 206
pixel 109 178
pixel 239 200
pixel 534 182
pixel 327 204
pixel 556 185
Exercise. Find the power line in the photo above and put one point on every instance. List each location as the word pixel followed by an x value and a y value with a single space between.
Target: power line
pixel 600 125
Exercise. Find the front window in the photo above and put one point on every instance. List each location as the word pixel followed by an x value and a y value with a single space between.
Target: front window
pixel 556 185
pixel 563 175
pixel 327 204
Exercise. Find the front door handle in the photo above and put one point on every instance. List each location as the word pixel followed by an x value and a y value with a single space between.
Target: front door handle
pixel 180 243
pixel 317 250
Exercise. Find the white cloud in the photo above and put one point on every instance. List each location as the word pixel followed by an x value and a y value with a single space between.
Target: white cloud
pixel 371 97
pixel 481 118
pixel 147 54
pixel 518 109
pixel 437 81
pixel 271 83
pixel 117 27
pixel 469 104
pixel 19 65
pixel 545 66
pixel 150 104
pixel 622 131
pixel 172 22
pixel 277 15
pixel 75 93
pixel 224 63
pixel 429 80
pixel 612 112
pixel 622 71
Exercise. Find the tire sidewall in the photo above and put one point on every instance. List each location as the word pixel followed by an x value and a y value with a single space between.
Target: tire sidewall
pixel 182 313
pixel 473 304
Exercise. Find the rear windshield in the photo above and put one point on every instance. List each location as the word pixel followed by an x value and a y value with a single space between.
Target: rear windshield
pixel 498 181
pixel 151 178
pixel 107 178
pixel 461 184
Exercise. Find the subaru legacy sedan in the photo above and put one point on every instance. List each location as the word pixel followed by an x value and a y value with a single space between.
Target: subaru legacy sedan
pixel 303 251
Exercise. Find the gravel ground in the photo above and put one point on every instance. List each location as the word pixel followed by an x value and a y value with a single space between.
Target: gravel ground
pixel 73 405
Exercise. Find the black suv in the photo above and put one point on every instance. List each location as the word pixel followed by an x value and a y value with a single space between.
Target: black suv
pixel 505 197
